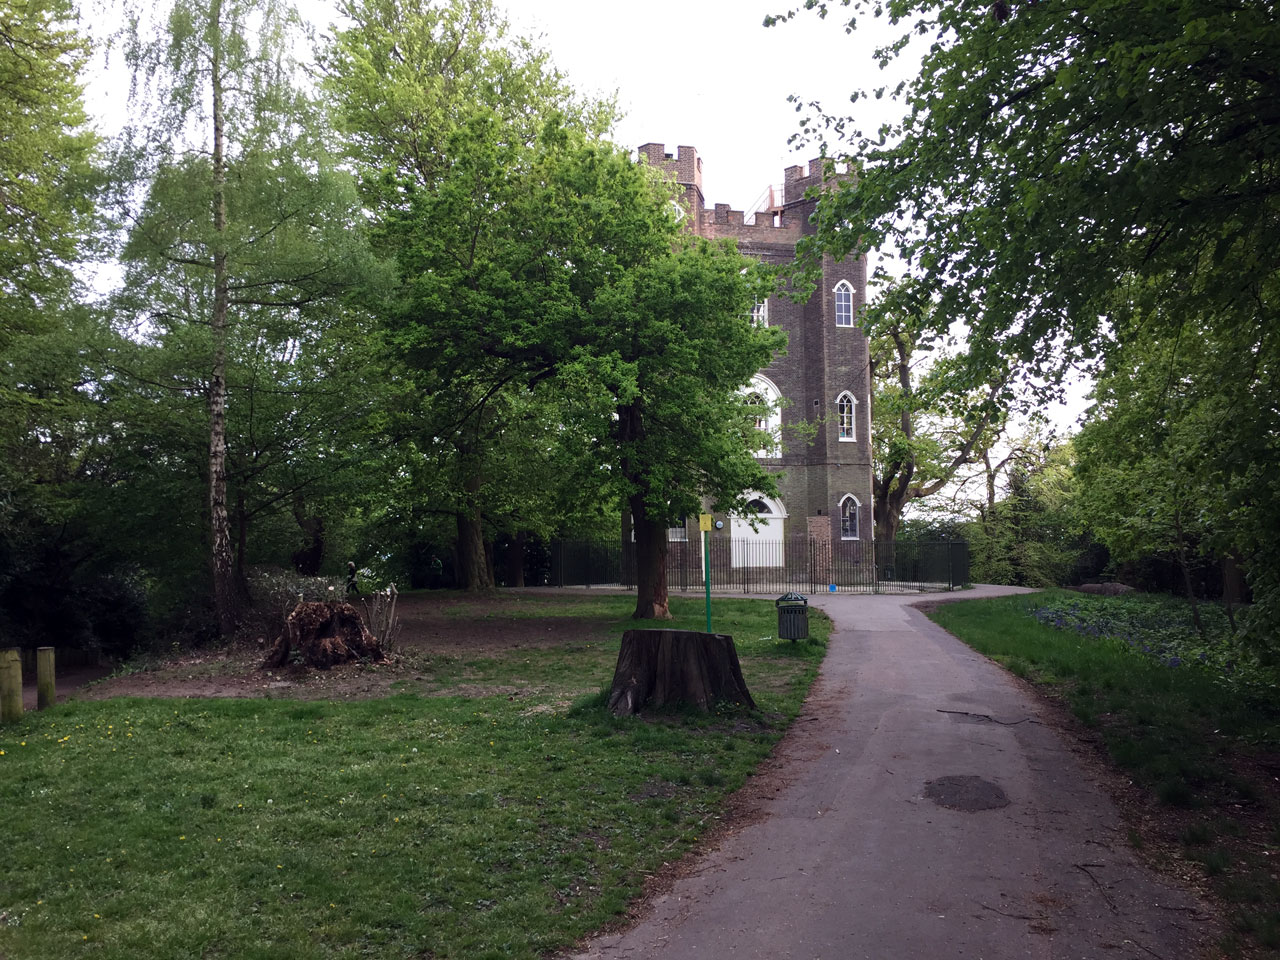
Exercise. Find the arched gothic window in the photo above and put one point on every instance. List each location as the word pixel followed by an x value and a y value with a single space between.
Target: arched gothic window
pixel 763 394
pixel 849 517
pixel 846 416
pixel 844 304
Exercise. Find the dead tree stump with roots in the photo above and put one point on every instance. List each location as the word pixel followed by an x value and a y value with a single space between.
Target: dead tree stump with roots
pixel 660 667
pixel 324 633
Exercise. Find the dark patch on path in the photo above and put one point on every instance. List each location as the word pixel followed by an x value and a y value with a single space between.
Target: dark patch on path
pixel 969 794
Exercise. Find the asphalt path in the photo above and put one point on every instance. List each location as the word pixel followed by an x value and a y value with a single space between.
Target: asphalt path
pixel 926 807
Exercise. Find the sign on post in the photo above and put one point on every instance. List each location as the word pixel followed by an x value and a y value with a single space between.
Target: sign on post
pixel 704 524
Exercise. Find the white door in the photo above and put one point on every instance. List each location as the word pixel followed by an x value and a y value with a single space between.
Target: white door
pixel 761 547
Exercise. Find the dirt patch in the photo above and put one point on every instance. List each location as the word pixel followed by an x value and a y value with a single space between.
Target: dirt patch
pixel 433 626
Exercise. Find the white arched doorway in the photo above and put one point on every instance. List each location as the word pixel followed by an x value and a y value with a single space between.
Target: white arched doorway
pixel 761 547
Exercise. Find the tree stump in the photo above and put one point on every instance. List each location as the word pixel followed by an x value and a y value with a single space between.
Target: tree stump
pixel 324 633
pixel 660 667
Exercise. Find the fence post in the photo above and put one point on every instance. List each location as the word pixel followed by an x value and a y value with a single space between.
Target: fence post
pixel 46 689
pixel 10 685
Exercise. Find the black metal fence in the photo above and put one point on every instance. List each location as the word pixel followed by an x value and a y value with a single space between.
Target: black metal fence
pixel 770 566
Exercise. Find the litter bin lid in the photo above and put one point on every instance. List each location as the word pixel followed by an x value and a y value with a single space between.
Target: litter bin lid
pixel 791 598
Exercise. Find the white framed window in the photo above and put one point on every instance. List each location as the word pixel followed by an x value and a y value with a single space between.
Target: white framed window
pixel 761 416
pixel 849 508
pixel 847 416
pixel 844 304
pixel 678 533
pixel 760 314
pixel 762 393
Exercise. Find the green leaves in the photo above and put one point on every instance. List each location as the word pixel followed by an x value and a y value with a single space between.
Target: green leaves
pixel 47 190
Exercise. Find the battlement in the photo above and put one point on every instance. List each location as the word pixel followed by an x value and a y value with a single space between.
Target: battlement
pixel 761 226
pixel 685 167
pixel 777 217
pixel 797 180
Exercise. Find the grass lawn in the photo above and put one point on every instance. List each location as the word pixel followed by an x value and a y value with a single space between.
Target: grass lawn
pixel 410 826
pixel 1193 728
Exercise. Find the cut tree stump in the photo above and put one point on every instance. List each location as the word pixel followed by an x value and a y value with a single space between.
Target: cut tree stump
pixel 324 633
pixel 658 668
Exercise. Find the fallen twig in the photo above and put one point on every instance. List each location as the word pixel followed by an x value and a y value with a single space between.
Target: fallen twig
pixel 987 716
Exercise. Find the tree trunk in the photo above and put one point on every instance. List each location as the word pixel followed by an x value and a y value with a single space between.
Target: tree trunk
pixel 310 557
pixel 515 560
pixel 474 569
pixel 657 668
pixel 652 602
pixel 888 520
pixel 1185 564
pixel 1232 588
pixel 242 552
pixel 225 595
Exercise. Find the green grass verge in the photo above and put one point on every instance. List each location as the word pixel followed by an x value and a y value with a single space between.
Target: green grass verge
pixel 412 826
pixel 1205 745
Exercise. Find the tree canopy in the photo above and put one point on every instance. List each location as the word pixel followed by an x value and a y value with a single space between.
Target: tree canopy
pixel 1070 180
pixel 1050 155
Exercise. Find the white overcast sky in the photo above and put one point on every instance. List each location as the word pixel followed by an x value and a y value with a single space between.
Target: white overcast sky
pixel 707 73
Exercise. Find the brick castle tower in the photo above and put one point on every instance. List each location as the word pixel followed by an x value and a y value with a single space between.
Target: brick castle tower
pixel 825 485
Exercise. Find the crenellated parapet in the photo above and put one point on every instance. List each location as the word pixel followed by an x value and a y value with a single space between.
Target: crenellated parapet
pixel 684 167
pixel 760 226
pixel 798 179
pixel 780 217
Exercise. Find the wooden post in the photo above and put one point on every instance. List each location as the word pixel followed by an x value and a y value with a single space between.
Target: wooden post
pixel 46 689
pixel 10 685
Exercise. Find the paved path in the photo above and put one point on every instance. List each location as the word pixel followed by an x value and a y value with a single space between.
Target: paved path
pixel 852 860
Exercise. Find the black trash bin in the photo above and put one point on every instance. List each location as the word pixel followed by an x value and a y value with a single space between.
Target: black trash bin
pixel 793 617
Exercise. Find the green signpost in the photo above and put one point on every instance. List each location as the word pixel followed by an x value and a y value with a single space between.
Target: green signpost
pixel 704 524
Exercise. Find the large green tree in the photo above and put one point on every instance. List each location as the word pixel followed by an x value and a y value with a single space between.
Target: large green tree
pixel 535 256
pixel 243 236
pixel 1052 155
pixel 1157 476
pixel 46 148
pixel 673 346
pixel 929 426
pixel 48 189
pixel 441 111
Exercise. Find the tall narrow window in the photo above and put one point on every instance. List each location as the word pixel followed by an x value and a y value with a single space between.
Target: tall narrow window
pixel 849 518
pixel 844 304
pixel 764 406
pixel 846 414
pixel 760 313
